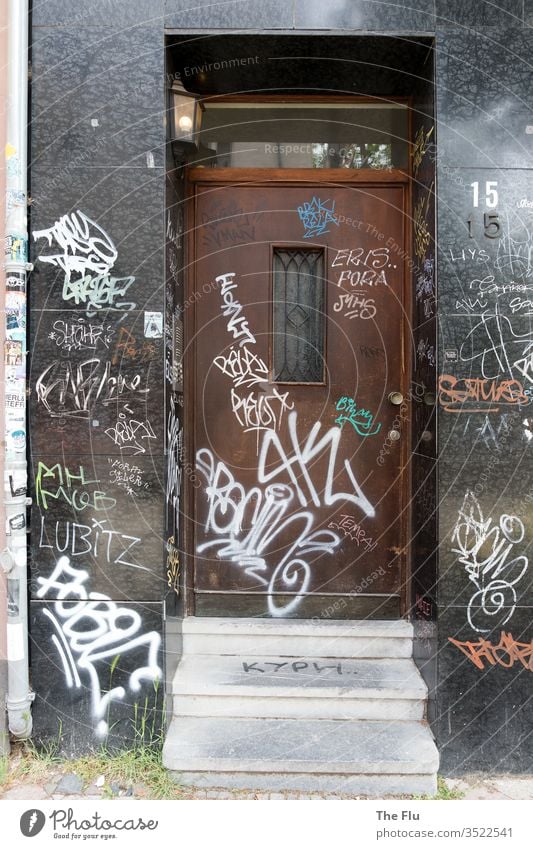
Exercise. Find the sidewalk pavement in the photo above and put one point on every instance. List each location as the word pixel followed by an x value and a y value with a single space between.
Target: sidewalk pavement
pixel 61 784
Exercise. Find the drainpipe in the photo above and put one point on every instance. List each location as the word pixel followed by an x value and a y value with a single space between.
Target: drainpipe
pixel 14 556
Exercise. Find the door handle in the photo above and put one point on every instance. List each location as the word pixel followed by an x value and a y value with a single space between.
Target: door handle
pixel 396 398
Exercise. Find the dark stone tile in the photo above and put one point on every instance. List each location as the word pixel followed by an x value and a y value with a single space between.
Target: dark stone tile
pixel 479 273
pixel 107 13
pixel 95 668
pixel 485 708
pixel 484 98
pixel 478 13
pixel 241 14
pixel 98 97
pixel 105 514
pixel 127 204
pixel 366 15
pixel 528 13
pixel 97 401
pixel 486 544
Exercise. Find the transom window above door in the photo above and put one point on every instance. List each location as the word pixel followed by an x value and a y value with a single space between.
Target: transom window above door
pixel 292 134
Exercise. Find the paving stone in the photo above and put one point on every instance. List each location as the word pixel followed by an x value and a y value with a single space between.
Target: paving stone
pixel 26 791
pixel 70 783
pixel 484 793
pixel 514 788
pixel 93 790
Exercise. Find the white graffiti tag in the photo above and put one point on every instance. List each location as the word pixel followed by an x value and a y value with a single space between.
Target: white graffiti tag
pixel 84 245
pixel 243 366
pixel 237 325
pixel 91 628
pixel 67 389
pixel 249 525
pixel 301 462
pixel 86 256
pixel 484 548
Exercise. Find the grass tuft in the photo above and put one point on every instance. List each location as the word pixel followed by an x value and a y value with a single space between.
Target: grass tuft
pixel 443 792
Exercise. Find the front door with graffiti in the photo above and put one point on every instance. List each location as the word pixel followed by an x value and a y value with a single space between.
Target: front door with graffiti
pixel 297 406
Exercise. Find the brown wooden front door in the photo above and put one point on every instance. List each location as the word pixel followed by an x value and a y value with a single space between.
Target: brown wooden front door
pixel 296 337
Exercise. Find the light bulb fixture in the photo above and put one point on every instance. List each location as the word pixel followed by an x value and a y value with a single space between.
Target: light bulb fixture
pixel 185 117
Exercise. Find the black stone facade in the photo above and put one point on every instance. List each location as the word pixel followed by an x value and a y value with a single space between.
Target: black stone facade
pixel 107 402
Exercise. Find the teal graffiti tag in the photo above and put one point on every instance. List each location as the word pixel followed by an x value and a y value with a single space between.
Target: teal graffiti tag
pixel 361 420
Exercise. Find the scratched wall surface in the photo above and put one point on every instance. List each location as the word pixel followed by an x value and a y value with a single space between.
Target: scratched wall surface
pixel 485 242
pixel 421 403
pixel 97 406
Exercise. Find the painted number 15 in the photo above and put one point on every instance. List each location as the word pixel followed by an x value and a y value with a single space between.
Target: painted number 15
pixel 491 194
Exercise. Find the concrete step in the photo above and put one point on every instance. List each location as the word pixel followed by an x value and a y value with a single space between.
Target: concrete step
pixel 298 637
pixel 306 688
pixel 350 756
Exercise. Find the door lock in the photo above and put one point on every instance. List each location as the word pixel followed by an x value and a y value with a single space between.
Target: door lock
pixel 396 398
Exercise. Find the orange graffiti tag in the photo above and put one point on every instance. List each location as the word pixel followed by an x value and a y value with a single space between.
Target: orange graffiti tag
pixel 477 395
pixel 506 653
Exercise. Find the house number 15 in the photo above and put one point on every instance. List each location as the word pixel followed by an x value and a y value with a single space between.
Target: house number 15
pixel 491 194
pixel 491 222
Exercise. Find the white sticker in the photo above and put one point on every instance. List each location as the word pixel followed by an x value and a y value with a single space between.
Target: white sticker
pixel 15 642
pixel 153 325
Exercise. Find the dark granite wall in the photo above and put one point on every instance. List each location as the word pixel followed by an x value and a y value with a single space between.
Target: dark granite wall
pixel 96 371
pixel 485 277
pixel 98 364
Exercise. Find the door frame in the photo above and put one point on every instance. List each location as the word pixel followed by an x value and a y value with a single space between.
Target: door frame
pixel 264 177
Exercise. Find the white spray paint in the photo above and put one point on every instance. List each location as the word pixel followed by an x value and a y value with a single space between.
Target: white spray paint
pixel 94 629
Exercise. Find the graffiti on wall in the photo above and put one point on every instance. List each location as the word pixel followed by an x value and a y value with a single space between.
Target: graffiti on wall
pixel 487 549
pixel 266 510
pixel 316 216
pixel 505 653
pixel 92 635
pixel 360 419
pixel 86 254
pixel 255 408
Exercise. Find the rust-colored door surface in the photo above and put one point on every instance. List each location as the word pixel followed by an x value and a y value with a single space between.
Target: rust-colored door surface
pixel 295 316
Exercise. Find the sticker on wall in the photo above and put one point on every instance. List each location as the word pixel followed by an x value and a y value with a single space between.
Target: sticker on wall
pixel 13 597
pixel 153 325
pixel 18 522
pixel 316 215
pixel 16 248
pixel 14 398
pixel 12 161
pixel 15 281
pixel 12 352
pixel 16 440
pixel 15 311
pixel 452 355
pixel 17 483
pixel 15 198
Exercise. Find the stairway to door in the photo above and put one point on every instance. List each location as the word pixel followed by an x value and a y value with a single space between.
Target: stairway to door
pixel 316 706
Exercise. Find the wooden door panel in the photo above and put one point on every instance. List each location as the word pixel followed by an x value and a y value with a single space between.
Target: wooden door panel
pixel 298 502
